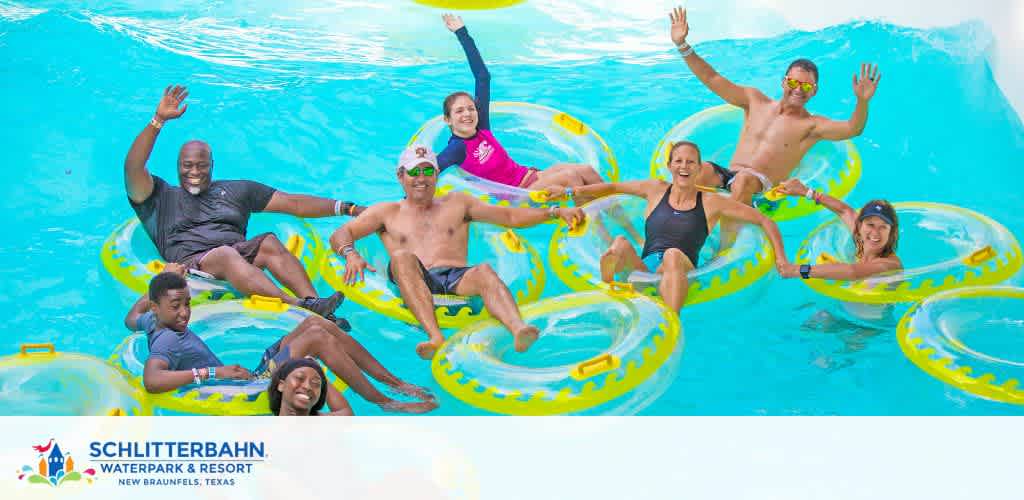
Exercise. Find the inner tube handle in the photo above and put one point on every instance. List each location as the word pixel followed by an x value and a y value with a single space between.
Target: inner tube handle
pixel 980 256
pixel 47 346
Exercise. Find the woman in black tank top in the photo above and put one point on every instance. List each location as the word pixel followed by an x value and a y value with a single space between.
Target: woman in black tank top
pixel 680 216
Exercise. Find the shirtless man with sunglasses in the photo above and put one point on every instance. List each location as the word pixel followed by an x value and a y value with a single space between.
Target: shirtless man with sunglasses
pixel 776 134
pixel 427 239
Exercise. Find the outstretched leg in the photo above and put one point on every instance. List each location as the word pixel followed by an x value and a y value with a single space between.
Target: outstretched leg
pixel 274 257
pixel 314 337
pixel 483 281
pixel 408 273
pixel 372 366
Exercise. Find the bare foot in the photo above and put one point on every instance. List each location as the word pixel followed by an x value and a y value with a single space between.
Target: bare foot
pixel 401 407
pixel 415 391
pixel 427 349
pixel 525 337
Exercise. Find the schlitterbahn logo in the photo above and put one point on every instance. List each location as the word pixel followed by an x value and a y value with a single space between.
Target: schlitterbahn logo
pixel 53 467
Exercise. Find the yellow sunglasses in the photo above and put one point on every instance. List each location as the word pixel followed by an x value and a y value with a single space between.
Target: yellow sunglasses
pixel 793 83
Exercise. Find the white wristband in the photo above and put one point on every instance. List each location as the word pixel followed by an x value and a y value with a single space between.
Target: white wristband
pixel 337 207
pixel 809 194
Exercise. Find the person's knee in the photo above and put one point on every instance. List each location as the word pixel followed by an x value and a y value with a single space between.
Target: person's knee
pixel 318 322
pixel 222 258
pixel 271 246
pixel 486 272
pixel 316 333
pixel 675 261
pixel 619 245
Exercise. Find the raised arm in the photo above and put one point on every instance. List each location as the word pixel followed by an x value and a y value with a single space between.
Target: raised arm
pixel 736 95
pixel 479 211
pixel 727 207
pixel 138 182
pixel 301 205
pixel 864 89
pixel 476 64
pixel 793 187
pixel 131 321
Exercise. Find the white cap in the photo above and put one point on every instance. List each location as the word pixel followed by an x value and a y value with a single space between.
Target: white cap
pixel 416 155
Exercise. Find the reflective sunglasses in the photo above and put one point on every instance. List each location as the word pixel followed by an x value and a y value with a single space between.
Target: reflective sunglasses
pixel 417 171
pixel 793 83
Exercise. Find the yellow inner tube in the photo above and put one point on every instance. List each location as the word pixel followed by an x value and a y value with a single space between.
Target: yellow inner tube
pixel 975 251
pixel 515 261
pixel 574 254
pixel 955 337
pixel 641 335
pixel 833 168
pixel 573 141
pixel 209 321
pixel 39 380
pixel 469 4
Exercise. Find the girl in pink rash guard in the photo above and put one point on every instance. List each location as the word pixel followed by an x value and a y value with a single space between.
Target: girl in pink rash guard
pixel 474 148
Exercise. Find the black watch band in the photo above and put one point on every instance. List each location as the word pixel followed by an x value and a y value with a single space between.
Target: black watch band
pixel 805 271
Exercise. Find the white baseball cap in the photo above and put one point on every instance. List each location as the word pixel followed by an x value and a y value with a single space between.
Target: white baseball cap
pixel 416 155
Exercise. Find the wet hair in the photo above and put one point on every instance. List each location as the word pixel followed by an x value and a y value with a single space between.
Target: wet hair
pixel 162 283
pixel 677 145
pixel 806 65
pixel 894 232
pixel 274 395
pixel 446 107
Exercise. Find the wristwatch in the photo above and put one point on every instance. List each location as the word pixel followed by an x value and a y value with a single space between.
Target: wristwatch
pixel 805 271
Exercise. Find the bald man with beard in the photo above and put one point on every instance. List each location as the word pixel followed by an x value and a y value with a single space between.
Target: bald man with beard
pixel 202 223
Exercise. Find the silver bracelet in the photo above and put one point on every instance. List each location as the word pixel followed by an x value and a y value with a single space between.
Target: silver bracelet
pixel 551 213
pixel 347 250
pixel 685 49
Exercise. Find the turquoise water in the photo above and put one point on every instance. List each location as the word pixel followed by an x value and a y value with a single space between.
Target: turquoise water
pixel 329 115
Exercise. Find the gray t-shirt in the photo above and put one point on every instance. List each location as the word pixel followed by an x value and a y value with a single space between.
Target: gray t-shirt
pixel 182 350
pixel 181 224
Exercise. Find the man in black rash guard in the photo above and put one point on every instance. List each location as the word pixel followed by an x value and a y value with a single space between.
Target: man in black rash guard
pixel 202 224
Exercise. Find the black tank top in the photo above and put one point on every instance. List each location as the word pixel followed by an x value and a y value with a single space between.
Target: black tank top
pixel 667 228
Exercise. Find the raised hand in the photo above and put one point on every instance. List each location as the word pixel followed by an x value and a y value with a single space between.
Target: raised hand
pixel 453 22
pixel 174 267
pixel 169 103
pixel 864 88
pixel 679 27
